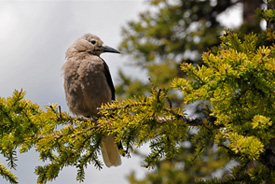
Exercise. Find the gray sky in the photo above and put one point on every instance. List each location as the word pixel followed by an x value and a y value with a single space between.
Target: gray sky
pixel 34 36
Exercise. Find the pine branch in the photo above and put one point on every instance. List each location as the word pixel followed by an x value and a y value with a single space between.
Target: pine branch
pixel 7 175
pixel 122 107
pixel 192 121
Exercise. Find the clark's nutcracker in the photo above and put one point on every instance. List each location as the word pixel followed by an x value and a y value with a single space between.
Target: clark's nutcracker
pixel 88 84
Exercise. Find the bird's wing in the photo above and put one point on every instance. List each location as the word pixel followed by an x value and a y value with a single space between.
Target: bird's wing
pixel 109 79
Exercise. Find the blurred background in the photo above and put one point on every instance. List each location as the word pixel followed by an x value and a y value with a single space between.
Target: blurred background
pixel 155 37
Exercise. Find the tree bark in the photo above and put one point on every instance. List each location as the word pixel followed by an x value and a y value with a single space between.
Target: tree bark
pixel 249 8
pixel 251 23
pixel 271 25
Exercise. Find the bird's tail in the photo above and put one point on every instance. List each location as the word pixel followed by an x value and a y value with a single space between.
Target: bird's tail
pixel 110 151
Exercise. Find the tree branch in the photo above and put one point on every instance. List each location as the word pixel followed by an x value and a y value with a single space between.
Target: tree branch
pixel 122 107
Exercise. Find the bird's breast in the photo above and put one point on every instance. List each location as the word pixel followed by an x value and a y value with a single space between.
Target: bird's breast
pixel 85 85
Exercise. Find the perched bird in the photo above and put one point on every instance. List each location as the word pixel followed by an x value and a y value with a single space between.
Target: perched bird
pixel 88 84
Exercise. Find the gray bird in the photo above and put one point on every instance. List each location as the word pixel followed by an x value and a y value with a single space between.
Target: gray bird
pixel 88 84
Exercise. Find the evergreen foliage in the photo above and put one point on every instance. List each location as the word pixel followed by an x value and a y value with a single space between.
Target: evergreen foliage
pixel 170 33
pixel 238 84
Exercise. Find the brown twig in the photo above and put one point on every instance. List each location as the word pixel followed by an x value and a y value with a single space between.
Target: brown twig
pixel 152 84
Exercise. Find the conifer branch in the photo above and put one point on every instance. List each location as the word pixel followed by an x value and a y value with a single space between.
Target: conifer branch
pixel 122 107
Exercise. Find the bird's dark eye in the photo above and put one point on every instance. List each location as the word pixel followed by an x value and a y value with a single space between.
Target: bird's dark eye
pixel 93 42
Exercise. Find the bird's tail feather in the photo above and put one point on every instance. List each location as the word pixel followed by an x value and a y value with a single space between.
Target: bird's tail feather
pixel 110 151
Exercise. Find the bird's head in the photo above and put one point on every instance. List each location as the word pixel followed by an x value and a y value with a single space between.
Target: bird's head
pixel 90 44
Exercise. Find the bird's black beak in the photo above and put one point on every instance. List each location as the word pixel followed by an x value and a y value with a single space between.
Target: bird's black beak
pixel 108 49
